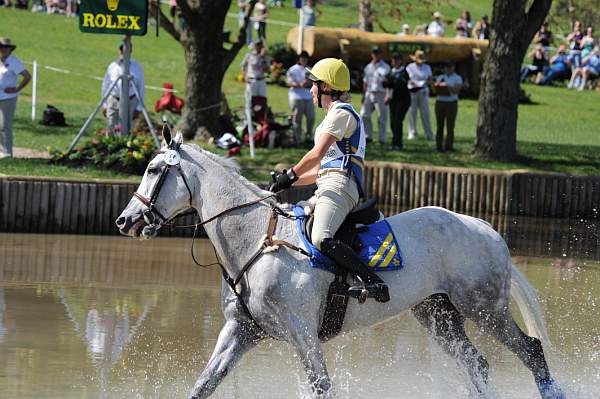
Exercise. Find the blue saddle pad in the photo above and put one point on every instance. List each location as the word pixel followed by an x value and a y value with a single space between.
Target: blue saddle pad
pixel 378 246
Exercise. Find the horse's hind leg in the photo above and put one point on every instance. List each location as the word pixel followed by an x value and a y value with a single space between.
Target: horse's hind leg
pixel 528 349
pixel 234 340
pixel 447 326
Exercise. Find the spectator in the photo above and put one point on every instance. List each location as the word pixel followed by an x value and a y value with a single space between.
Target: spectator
pixel 72 8
pixel 310 13
pixel 539 58
pixel 398 98
pixel 544 37
pixel 405 30
pixel 446 106
pixel 260 14
pixel 559 67
pixel 374 94
pixel 254 66
pixel 419 74
pixel 112 105
pixel 460 32
pixel 10 70
pixel 481 30
pixel 590 68
pixel 436 28
pixel 301 99
pixel 587 42
pixel 243 6
pixel 574 40
pixel 464 25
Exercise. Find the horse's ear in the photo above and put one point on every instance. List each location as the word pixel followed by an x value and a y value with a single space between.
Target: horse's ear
pixel 166 133
pixel 177 141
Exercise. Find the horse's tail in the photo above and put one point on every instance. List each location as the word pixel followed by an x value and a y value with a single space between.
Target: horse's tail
pixel 524 294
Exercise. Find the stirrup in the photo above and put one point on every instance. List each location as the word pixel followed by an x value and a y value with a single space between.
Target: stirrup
pixel 378 291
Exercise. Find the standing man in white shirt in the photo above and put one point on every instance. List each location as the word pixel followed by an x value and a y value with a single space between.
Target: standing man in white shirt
pixel 375 74
pixel 300 99
pixel 436 27
pixel 254 67
pixel 446 106
pixel 114 70
pixel 10 70
pixel 420 77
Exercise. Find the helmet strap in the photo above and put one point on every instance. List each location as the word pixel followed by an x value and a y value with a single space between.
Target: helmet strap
pixel 320 92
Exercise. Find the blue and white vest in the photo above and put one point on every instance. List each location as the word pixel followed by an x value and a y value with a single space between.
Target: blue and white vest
pixel 347 153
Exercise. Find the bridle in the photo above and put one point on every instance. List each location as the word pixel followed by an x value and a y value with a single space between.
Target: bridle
pixel 155 219
pixel 152 216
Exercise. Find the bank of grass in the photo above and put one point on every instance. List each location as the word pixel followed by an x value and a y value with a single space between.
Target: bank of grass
pixel 558 133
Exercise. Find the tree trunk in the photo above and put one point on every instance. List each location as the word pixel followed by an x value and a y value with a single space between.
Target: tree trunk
pixel 204 56
pixel 512 30
pixel 206 60
pixel 365 16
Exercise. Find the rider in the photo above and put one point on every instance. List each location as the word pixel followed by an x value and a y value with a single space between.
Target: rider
pixel 336 164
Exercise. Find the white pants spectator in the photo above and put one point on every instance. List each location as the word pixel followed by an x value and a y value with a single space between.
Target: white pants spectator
pixel 419 101
pixel 112 113
pixel 7 112
pixel 256 88
pixel 374 101
pixel 302 108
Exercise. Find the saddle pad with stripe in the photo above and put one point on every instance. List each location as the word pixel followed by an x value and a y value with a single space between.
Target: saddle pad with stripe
pixel 378 246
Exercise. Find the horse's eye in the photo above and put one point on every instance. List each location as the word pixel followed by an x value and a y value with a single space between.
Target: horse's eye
pixel 152 171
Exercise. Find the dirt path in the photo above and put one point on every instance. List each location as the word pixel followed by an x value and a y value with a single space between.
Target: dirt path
pixel 21 152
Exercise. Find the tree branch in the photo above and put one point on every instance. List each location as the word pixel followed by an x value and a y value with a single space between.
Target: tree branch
pixel 535 16
pixel 165 23
pixel 241 40
pixel 185 8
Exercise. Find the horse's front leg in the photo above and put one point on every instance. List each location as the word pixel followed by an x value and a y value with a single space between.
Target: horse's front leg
pixel 304 337
pixel 234 340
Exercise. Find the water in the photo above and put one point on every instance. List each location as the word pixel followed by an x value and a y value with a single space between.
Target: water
pixel 111 317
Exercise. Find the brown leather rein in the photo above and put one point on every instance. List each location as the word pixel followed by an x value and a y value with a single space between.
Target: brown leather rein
pixel 153 217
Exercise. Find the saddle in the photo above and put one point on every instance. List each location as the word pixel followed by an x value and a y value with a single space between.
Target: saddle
pixel 365 214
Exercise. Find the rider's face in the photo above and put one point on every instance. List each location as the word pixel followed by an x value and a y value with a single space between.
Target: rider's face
pixel 314 90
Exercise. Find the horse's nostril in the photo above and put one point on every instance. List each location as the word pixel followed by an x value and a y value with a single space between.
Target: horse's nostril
pixel 120 221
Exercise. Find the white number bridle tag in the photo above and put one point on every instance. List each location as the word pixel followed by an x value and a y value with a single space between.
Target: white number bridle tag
pixel 172 157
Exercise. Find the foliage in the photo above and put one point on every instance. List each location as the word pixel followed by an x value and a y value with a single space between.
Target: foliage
pixel 586 11
pixel 283 53
pixel 125 154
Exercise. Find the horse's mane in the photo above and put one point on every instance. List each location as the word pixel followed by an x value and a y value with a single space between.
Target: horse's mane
pixel 229 165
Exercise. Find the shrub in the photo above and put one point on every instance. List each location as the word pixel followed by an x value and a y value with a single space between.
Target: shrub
pixel 124 154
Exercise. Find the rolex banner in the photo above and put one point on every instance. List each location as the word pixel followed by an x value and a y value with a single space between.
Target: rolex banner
pixel 123 17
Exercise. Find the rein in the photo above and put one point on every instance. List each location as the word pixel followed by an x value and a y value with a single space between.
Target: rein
pixel 154 218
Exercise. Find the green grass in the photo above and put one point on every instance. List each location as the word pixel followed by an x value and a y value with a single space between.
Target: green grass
pixel 558 133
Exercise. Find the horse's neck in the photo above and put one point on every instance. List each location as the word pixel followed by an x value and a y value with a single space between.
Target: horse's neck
pixel 235 235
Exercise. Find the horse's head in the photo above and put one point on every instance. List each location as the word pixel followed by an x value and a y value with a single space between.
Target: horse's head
pixel 163 193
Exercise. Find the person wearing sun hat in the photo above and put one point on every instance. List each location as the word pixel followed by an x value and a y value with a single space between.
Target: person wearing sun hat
pixel 10 87
pixel 436 27
pixel 420 76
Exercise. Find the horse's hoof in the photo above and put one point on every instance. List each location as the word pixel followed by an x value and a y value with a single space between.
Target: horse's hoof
pixel 549 389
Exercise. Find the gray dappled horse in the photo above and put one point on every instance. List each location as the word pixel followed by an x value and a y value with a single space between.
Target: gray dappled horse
pixel 455 267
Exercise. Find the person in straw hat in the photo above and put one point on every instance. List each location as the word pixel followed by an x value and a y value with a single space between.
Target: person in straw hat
pixel 10 87
pixel 420 77
pixel 336 165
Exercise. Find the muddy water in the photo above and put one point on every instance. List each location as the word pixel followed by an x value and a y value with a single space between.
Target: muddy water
pixel 110 317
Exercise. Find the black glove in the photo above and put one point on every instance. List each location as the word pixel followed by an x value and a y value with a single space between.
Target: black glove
pixel 283 181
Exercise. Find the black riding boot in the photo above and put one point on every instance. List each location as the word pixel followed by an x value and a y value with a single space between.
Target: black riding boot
pixel 345 257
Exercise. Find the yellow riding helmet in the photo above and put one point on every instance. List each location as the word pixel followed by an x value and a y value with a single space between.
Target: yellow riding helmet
pixel 333 72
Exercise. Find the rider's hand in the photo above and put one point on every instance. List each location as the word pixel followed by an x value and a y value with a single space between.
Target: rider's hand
pixel 284 180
